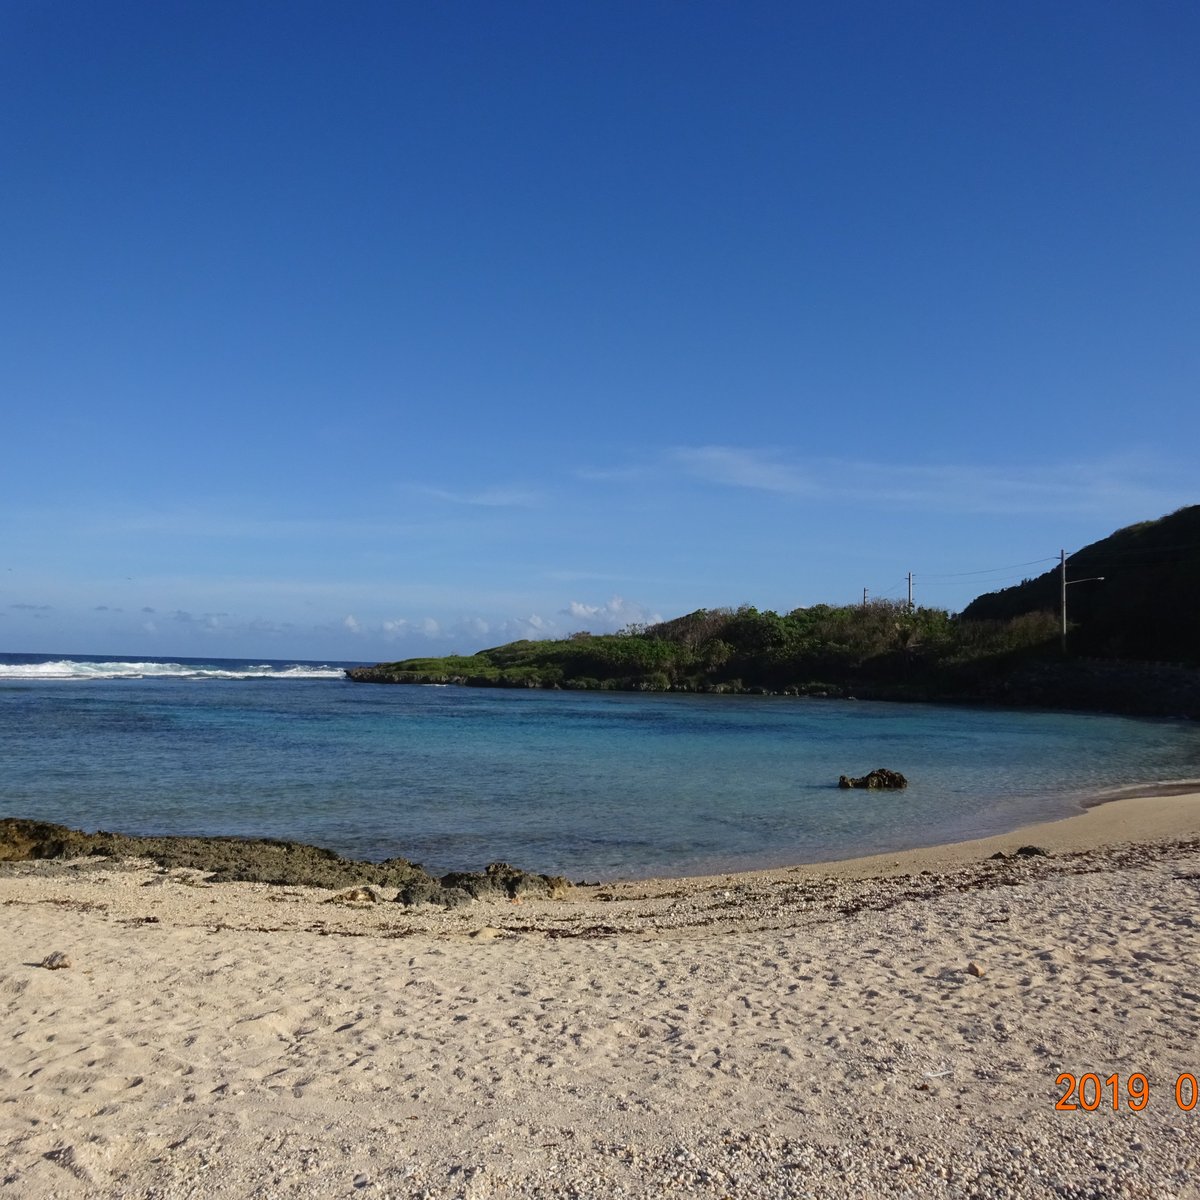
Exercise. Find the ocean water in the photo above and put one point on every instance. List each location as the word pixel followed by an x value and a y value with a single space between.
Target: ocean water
pixel 592 785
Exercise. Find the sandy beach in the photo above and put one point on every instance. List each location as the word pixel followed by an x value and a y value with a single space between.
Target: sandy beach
pixel 893 1026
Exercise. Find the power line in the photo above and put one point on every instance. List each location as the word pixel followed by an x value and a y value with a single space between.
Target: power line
pixel 988 570
pixel 941 579
pixel 1004 579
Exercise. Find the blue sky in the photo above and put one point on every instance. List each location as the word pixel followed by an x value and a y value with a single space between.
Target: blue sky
pixel 360 331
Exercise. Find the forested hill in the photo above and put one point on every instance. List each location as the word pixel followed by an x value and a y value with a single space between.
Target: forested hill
pixel 1004 648
pixel 1147 607
pixel 822 648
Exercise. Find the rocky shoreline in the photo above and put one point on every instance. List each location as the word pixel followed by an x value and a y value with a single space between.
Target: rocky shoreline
pixel 891 1027
pixel 266 860
pixel 1085 685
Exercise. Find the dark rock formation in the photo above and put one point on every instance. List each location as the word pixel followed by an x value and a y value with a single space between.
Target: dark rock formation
pixel 250 860
pixel 21 840
pixel 879 778
pixel 1023 852
pixel 265 860
pixel 502 880
pixel 386 674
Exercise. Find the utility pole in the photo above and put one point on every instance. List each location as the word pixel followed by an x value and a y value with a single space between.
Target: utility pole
pixel 864 597
pixel 1062 574
pixel 1063 581
pixel 910 603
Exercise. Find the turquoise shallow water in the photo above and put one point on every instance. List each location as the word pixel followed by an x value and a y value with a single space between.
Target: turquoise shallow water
pixel 595 785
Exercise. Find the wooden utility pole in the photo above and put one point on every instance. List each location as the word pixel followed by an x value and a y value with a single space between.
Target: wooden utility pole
pixel 1062 571
pixel 864 597
pixel 1063 581
pixel 910 603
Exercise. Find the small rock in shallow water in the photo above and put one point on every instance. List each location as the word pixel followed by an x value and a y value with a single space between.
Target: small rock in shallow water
pixel 880 778
pixel 56 961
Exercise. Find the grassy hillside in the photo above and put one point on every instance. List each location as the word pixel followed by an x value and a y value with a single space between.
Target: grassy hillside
pixel 1146 608
pixel 1003 648
pixel 822 648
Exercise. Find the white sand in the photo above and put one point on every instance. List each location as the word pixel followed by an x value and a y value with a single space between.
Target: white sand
pixel 805 1032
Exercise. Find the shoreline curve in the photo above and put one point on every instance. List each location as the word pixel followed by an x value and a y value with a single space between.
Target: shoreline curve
pixel 1134 816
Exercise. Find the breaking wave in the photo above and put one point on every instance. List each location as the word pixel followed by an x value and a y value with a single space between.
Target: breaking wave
pixel 80 669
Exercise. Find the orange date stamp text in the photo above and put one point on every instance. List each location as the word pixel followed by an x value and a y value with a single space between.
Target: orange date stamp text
pixel 1090 1092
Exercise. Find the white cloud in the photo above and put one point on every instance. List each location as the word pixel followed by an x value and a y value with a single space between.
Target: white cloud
pixel 624 474
pixel 615 613
pixel 471 628
pixel 1113 485
pixel 351 623
pixel 262 625
pixel 212 622
pixel 566 576
pixel 740 467
pixel 532 627
pixel 491 497
pixel 575 609
pixel 1064 488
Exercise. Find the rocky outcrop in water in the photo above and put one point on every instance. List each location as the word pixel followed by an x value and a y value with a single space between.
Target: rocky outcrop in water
pixel 880 778
pixel 266 860
pixel 384 674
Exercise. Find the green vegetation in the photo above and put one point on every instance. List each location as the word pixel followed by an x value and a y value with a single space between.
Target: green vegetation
pixel 1003 648
pixel 1147 606
pixel 818 649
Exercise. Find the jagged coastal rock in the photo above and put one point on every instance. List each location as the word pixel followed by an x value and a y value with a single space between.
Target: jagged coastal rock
pixel 880 778
pixel 498 881
pixel 266 860
pixel 385 674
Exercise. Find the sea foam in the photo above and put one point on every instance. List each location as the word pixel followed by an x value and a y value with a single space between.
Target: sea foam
pixel 76 669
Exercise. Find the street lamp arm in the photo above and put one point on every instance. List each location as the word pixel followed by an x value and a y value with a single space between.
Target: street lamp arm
pixel 1065 583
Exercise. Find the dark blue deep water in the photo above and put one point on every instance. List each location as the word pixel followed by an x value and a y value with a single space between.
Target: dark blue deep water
pixel 596 785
